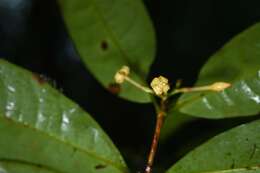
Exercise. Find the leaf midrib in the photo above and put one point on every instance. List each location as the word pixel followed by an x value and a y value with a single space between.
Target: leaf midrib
pixel 115 40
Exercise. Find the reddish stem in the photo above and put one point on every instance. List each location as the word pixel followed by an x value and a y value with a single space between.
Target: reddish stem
pixel 159 124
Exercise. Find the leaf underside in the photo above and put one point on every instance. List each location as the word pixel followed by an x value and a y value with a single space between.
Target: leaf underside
pixel 238 63
pixel 38 125
pixel 110 34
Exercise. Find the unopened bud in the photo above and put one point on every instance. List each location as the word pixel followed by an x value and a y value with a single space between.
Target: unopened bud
pixel 219 86
pixel 121 74
pixel 160 85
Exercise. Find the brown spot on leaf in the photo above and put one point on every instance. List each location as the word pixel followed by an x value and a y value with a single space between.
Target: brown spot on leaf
pixel 39 78
pixel 104 45
pixel 114 88
pixel 100 166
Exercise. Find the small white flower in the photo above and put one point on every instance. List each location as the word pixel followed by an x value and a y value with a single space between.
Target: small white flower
pixel 160 85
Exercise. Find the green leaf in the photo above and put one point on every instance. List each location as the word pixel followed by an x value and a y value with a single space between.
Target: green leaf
pixel 110 34
pixel 39 125
pixel 234 151
pixel 238 62
pixel 19 167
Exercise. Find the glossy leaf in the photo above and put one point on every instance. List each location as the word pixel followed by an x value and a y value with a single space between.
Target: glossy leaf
pixel 238 62
pixel 234 151
pixel 110 34
pixel 39 125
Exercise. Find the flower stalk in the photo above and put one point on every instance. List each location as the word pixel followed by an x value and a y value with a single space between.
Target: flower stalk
pixel 160 87
pixel 217 87
pixel 159 123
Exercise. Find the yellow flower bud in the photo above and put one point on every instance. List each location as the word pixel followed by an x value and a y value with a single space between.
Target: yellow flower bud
pixel 121 74
pixel 160 85
pixel 219 86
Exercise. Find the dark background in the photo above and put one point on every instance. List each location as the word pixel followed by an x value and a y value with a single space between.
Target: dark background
pixel 32 35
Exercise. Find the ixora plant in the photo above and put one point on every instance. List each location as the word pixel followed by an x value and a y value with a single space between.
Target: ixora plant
pixel 118 50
